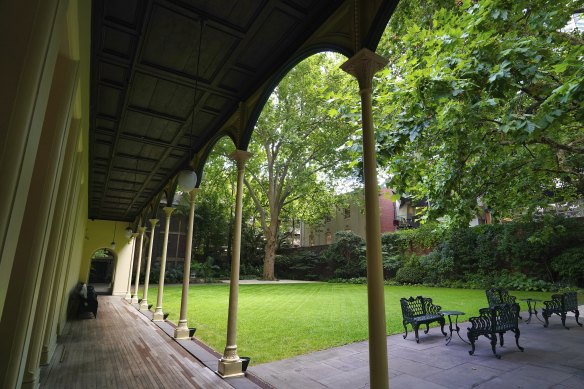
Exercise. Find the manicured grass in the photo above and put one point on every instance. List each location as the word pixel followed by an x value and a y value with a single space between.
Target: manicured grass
pixel 283 320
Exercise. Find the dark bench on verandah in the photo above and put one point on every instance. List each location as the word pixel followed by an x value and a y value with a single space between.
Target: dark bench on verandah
pixel 86 299
pixel 561 304
pixel 494 320
pixel 420 310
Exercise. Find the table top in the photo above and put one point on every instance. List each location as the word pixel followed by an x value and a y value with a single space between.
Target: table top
pixel 452 313
pixel 530 299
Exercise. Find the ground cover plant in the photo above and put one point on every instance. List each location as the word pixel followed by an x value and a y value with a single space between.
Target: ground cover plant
pixel 284 320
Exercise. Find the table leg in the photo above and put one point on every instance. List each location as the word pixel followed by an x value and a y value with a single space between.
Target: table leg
pixel 529 310
pixel 449 338
pixel 458 331
pixel 535 311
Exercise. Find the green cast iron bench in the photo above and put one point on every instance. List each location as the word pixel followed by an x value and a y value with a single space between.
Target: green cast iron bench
pixel 561 304
pixel 494 320
pixel 420 310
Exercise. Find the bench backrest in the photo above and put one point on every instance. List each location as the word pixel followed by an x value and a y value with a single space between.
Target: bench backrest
pixel 506 316
pixel 418 306
pixel 497 296
pixel 567 301
pixel 498 318
pixel 570 301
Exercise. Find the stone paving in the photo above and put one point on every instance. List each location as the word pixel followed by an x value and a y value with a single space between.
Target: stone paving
pixel 553 358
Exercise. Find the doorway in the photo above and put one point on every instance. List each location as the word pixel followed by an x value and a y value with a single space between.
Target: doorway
pixel 102 271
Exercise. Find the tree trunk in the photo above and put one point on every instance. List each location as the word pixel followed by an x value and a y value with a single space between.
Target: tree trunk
pixel 270 253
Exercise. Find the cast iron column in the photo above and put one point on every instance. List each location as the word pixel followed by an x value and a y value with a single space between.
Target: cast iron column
pixel 141 231
pixel 129 289
pixel 363 66
pixel 182 331
pixel 144 302
pixel 158 314
pixel 230 364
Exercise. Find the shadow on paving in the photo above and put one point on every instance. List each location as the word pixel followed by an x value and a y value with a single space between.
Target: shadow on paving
pixel 553 358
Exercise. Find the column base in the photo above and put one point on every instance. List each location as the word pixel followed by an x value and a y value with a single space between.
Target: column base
pixel 230 368
pixel 181 333
pixel 31 380
pixel 144 305
pixel 158 315
pixel 128 297
pixel 134 300
pixel 47 352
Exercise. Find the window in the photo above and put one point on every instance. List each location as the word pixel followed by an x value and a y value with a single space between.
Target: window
pixel 347 212
pixel 329 237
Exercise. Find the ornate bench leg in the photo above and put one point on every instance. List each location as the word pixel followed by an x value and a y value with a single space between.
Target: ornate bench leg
pixel 427 328
pixel 545 317
pixel 517 333
pixel 577 314
pixel 563 315
pixel 494 345
pixel 501 339
pixel 416 332
pixel 442 322
pixel 406 329
pixel 472 339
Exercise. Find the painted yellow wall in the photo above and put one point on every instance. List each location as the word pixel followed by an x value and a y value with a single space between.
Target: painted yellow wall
pixel 99 234
pixel 43 167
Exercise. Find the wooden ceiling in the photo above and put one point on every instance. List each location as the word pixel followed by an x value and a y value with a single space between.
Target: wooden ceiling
pixel 146 61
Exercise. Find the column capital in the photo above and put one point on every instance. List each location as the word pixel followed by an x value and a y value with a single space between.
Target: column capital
pixel 192 195
pixel 153 222
pixel 168 211
pixel 363 65
pixel 135 234
pixel 141 230
pixel 240 157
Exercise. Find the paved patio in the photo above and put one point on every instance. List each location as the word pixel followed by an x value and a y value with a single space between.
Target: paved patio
pixel 553 358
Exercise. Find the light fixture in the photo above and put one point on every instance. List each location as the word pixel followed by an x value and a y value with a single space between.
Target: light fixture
pixel 113 244
pixel 128 232
pixel 187 178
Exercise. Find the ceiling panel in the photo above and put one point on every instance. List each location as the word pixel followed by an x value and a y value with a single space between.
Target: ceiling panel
pixel 145 64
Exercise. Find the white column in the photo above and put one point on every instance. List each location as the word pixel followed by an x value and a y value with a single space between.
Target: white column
pixel 158 314
pixel 182 331
pixel 144 302
pixel 230 364
pixel 128 296
pixel 141 231
pixel 363 66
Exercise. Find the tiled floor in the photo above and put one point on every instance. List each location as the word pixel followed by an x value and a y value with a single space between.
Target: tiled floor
pixel 553 358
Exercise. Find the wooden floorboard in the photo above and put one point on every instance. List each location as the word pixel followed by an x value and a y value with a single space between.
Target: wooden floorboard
pixel 123 349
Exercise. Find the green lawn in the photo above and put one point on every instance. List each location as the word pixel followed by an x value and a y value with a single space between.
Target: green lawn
pixel 284 320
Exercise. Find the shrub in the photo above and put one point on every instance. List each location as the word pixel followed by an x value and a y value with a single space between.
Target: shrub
pixel 436 267
pixel 411 272
pixel 391 264
pixel 570 265
pixel 520 281
pixel 346 257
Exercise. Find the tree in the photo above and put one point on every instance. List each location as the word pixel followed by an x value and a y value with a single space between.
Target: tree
pixel 483 100
pixel 299 150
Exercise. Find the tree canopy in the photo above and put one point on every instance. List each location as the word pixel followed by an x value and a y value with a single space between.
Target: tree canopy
pixel 483 103
pixel 299 150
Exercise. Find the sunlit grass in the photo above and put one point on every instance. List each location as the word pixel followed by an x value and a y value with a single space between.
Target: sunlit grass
pixel 283 320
